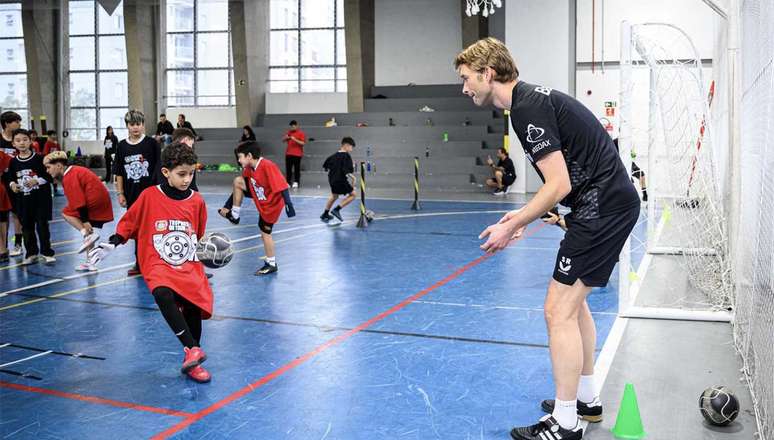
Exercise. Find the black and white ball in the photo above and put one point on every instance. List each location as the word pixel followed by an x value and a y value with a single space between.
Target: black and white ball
pixel 214 250
pixel 369 215
pixel 719 405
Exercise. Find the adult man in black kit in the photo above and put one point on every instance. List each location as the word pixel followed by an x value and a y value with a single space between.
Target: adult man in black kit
pixel 580 168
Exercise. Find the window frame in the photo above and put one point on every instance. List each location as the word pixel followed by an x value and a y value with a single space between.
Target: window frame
pixel 300 66
pixel 96 71
pixel 229 69
pixel 23 111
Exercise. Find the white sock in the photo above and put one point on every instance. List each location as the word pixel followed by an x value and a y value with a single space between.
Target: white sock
pixel 272 260
pixel 587 389
pixel 566 413
pixel 235 211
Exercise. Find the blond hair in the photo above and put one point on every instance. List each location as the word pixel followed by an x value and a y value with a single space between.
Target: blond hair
pixel 56 156
pixel 489 52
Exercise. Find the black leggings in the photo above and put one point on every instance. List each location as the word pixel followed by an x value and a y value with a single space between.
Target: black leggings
pixel 108 166
pixel 293 163
pixel 183 317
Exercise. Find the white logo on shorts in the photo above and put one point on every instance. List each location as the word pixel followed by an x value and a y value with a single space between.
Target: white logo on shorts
pixel 565 265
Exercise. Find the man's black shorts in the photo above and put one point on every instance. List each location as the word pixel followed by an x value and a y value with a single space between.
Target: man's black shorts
pixel 341 188
pixel 590 248
pixel 264 226
pixel 508 180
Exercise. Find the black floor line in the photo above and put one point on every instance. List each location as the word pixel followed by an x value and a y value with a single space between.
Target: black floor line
pixel 61 353
pixel 24 375
pixel 317 326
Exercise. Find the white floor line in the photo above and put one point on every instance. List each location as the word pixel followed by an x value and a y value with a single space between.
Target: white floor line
pixel 384 217
pixel 311 226
pixel 5 345
pixel 22 264
pixel 485 306
pixel 398 199
pixel 25 359
pixel 67 278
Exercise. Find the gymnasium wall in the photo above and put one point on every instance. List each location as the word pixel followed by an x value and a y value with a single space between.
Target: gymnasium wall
pixel 693 16
pixel 416 41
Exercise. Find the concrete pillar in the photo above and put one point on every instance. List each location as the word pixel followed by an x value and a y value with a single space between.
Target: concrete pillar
pixel 40 22
pixel 474 27
pixel 359 36
pixel 250 47
pixel 141 33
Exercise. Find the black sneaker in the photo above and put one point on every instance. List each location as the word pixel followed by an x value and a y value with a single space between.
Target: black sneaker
pixel 591 412
pixel 547 429
pixel 266 269
pixel 228 216
pixel 326 218
pixel 337 213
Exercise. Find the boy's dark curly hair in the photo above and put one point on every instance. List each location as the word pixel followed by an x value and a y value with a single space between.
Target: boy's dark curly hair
pixel 176 154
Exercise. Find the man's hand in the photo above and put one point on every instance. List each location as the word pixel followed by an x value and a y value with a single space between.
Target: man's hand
pixel 122 200
pixel 15 187
pixel 489 161
pixel 500 234
pixel 509 215
pixel 550 218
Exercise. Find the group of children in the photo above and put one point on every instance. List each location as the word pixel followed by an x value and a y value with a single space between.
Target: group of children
pixel 165 215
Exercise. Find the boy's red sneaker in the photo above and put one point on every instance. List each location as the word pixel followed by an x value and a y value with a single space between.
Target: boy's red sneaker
pixel 193 357
pixel 199 374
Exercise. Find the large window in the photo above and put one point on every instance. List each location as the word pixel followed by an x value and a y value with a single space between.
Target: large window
pixel 307 46
pixel 98 79
pixel 13 63
pixel 199 62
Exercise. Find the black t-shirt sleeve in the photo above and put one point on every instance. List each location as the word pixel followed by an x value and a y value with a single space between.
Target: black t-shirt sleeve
pixel 349 166
pixel 510 170
pixel 536 126
pixel 328 164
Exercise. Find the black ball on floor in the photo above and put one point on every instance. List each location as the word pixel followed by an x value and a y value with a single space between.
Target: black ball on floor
pixel 719 405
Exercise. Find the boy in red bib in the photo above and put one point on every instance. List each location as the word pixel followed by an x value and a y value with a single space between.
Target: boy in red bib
pixel 88 202
pixel 166 221
pixel 269 191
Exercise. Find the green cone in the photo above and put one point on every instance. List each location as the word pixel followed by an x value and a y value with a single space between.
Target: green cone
pixel 628 424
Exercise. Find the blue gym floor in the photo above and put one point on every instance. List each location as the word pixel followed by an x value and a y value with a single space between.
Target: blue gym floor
pixel 399 331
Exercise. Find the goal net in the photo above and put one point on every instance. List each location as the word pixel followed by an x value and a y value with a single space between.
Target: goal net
pixel 667 129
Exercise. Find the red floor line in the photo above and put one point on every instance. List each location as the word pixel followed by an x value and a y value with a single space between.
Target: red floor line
pixel 91 399
pixel 319 349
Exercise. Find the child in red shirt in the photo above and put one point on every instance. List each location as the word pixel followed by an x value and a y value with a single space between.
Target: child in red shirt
pixel 88 202
pixel 166 221
pixel 296 139
pixel 268 189
pixel 34 142
pixel 51 143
